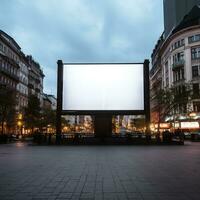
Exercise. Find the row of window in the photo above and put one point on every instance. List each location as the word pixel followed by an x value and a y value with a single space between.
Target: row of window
pixel 194 38
pixel 6 50
pixel 22 89
pixel 23 78
pixel 8 81
pixel 23 68
pixel 178 57
pixel 8 67
pixel 195 54
pixel 178 44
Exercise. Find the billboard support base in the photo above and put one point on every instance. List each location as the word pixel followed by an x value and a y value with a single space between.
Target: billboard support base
pixel 103 126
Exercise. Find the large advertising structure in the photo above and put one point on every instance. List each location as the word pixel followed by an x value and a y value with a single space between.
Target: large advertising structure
pixel 103 89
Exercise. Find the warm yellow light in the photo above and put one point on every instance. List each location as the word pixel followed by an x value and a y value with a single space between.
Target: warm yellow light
pixel 20 116
pixel 19 123
pixel 193 114
pixel 163 125
pixel 65 128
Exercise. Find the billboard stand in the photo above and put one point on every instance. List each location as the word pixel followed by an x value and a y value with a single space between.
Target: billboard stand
pixel 103 125
pixel 147 96
pixel 59 101
pixel 103 118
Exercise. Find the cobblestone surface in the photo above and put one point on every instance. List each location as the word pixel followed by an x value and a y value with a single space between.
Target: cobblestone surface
pixel 99 172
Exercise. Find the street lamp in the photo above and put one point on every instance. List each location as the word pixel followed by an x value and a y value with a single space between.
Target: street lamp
pixel 20 123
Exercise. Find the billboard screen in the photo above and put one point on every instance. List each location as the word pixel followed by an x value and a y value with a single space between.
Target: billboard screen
pixel 103 87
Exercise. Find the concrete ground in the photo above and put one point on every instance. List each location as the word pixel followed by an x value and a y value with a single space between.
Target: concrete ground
pixel 100 172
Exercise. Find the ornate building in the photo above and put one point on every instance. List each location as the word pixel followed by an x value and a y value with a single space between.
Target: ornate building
pixel 9 61
pixel 176 62
pixel 19 72
pixel 35 79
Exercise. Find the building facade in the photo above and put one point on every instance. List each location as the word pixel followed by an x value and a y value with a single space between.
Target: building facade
pixel 174 12
pixel 22 86
pixel 35 79
pixel 19 72
pixel 49 102
pixel 9 61
pixel 176 63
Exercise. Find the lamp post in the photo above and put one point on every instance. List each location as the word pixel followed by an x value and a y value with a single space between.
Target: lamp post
pixel 20 122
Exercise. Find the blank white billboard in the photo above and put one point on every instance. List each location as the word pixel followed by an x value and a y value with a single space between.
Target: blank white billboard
pixel 103 87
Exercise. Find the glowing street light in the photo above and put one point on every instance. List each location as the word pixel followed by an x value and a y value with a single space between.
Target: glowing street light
pixel 19 122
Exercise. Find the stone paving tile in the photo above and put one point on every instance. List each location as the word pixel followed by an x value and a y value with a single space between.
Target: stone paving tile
pixel 99 172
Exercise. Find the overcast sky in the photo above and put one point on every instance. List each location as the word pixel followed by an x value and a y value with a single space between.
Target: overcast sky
pixel 82 30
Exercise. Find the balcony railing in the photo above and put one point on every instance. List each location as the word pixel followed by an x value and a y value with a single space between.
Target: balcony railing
pixel 10 74
pixel 179 82
pixel 178 64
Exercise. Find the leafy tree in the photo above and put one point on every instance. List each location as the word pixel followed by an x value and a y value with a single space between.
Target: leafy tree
pixel 48 117
pixel 172 100
pixel 139 123
pixel 7 107
pixel 33 113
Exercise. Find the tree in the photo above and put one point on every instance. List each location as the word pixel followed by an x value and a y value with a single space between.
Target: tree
pixel 48 117
pixel 171 101
pixel 7 107
pixel 163 100
pixel 33 113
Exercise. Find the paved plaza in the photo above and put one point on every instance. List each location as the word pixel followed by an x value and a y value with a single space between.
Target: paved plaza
pixel 100 172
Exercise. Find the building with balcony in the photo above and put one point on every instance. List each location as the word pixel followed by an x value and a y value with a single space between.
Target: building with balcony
pixel 22 86
pixel 9 62
pixel 35 79
pixel 19 72
pixel 176 62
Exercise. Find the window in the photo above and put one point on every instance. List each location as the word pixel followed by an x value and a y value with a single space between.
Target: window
pixel 167 82
pixel 4 49
pixel 195 71
pixel 194 38
pixel 196 106
pixel 178 44
pixel 179 75
pixel 182 76
pixel 195 53
pixel 195 90
pixel 178 57
pixel 1 47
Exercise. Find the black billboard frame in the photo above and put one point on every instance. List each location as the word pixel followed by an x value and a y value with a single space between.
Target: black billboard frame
pixel 98 113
